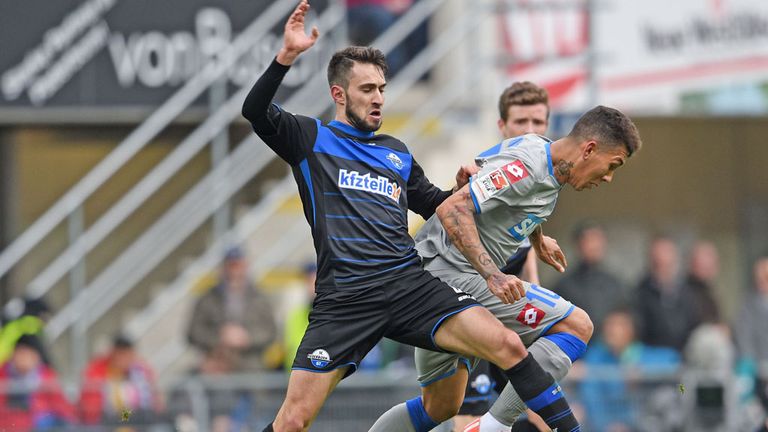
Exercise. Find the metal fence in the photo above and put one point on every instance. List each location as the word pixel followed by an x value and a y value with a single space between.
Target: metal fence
pixel 680 401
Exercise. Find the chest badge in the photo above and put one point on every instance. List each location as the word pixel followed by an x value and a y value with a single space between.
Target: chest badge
pixel 395 160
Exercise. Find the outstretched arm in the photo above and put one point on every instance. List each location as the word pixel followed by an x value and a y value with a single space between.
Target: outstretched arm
pixel 281 130
pixel 295 39
pixel 457 214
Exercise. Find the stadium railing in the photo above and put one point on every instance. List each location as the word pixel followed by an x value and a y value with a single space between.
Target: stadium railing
pixel 687 400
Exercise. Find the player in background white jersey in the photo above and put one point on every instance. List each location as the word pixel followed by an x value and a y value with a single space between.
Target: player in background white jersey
pixel 523 109
pixel 483 224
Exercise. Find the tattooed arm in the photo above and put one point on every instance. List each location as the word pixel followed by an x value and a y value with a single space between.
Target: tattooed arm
pixel 457 214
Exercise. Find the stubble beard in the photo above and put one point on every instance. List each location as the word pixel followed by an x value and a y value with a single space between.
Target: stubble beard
pixel 360 123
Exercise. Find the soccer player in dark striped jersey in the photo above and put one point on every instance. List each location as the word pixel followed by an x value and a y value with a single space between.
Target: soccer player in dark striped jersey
pixel 356 187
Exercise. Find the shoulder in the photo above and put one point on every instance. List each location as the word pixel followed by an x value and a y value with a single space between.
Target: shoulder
pixel 532 151
pixel 390 142
pixel 213 296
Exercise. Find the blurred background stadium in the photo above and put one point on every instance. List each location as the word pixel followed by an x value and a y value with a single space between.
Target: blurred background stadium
pixel 131 187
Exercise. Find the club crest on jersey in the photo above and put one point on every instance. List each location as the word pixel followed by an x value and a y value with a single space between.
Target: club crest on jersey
pixel 482 384
pixel 319 358
pixel 395 160
pixel 364 182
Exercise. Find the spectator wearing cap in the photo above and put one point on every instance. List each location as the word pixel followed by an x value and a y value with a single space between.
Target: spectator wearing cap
pixel 234 316
pixel 589 285
pixel 116 382
pixel 30 395
pixel 31 321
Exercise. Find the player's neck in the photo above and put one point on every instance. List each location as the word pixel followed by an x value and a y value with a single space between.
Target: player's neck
pixel 564 154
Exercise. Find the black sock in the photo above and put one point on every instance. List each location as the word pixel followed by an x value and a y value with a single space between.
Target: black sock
pixel 542 394
pixel 268 428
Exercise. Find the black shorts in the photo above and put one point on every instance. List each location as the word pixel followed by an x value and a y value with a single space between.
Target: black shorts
pixel 485 383
pixel 344 325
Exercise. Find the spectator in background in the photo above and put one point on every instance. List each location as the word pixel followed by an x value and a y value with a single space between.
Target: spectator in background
pixel 704 267
pixel 234 316
pixel 228 409
pixel 751 330
pixel 298 317
pixel 664 311
pixel 30 394
pixel 30 321
pixel 117 382
pixel 611 403
pixel 589 285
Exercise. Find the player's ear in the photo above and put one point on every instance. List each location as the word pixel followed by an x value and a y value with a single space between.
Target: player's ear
pixel 589 148
pixel 501 124
pixel 337 93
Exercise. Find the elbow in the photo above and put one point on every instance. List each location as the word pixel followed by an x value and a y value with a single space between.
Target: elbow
pixel 444 209
pixel 247 113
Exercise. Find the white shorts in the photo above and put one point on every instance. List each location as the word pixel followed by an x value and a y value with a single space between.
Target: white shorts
pixel 529 317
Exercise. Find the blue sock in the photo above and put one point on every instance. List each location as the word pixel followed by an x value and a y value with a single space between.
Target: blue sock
pixel 572 346
pixel 419 417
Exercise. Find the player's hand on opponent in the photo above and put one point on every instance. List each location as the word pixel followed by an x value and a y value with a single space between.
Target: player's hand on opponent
pixel 549 251
pixel 463 175
pixel 506 287
pixel 295 38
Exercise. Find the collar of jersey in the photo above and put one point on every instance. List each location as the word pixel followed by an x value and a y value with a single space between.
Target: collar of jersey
pixel 350 130
pixel 550 167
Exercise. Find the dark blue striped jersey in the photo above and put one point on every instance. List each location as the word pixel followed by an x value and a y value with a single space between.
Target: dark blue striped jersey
pixel 356 188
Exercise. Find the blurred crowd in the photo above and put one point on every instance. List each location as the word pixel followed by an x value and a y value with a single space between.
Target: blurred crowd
pixel 670 320
pixel 667 322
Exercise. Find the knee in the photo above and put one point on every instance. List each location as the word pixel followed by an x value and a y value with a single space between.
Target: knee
pixel 443 407
pixel 510 350
pixel 580 325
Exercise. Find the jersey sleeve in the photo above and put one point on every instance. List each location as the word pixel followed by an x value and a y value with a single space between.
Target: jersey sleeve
pixel 504 183
pixel 423 196
pixel 289 136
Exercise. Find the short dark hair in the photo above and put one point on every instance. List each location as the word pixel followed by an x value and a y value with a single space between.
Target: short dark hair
pixel 522 93
pixel 342 61
pixel 608 126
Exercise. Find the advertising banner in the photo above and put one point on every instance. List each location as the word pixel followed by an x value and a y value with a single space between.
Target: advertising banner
pixel 655 56
pixel 110 53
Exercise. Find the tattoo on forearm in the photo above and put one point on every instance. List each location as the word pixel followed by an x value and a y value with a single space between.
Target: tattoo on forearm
pixel 459 224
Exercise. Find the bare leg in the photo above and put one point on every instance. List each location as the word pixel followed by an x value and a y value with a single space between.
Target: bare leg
pixel 476 332
pixel 306 394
